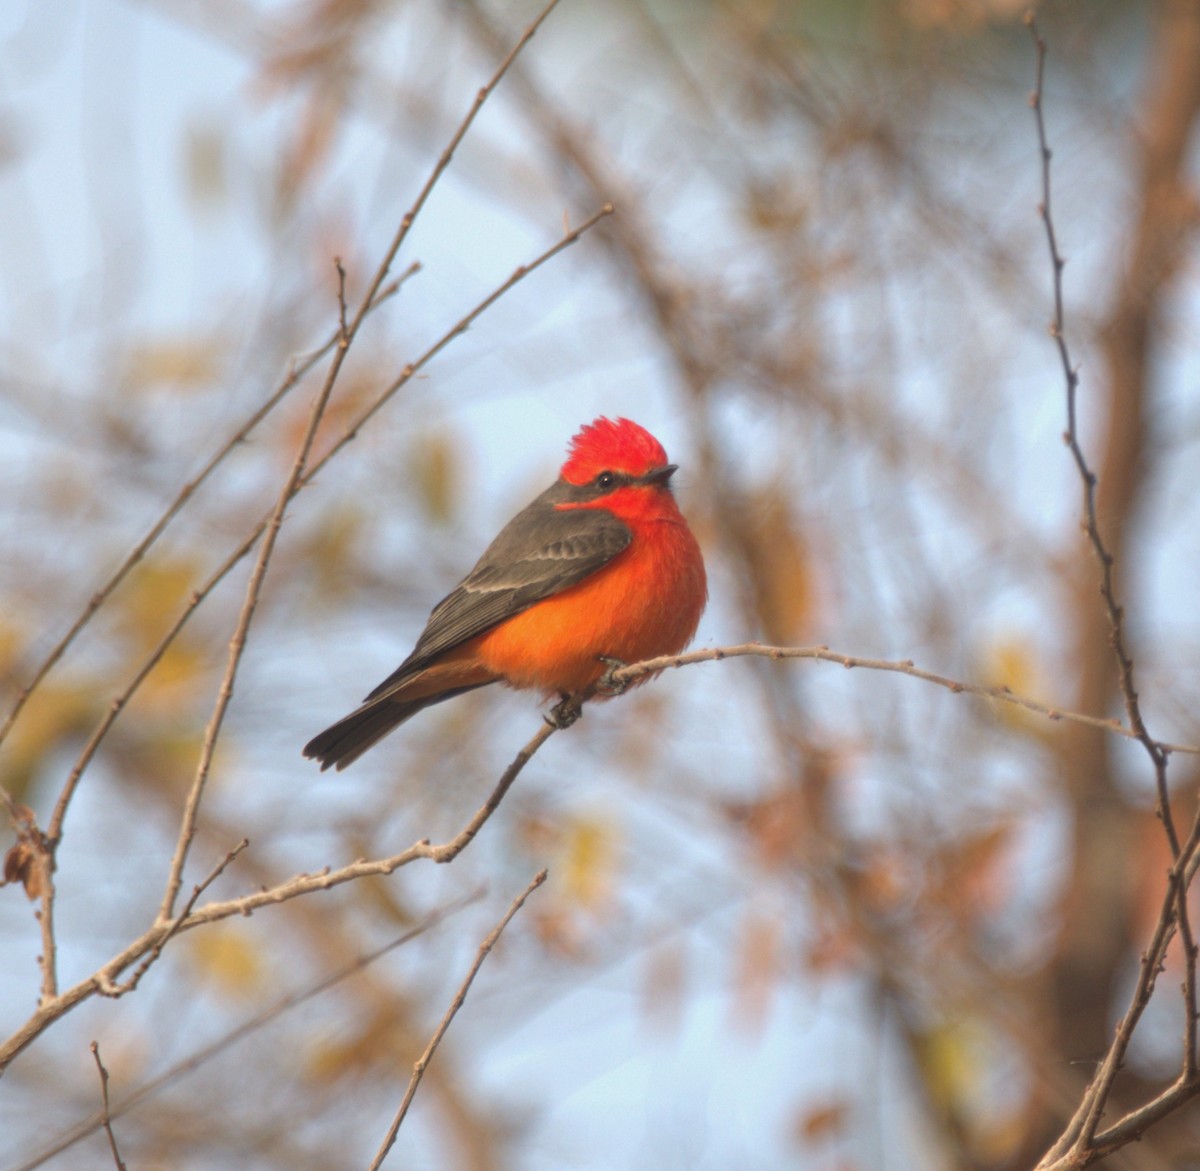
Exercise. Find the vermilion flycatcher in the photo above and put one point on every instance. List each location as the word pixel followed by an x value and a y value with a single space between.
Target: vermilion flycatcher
pixel 601 566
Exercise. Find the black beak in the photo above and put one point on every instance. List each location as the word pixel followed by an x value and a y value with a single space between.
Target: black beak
pixel 661 475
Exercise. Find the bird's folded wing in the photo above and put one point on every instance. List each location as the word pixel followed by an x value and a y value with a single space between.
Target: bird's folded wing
pixel 541 552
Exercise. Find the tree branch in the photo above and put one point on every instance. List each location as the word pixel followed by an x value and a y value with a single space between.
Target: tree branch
pixel 105 1120
pixel 248 1028
pixel 629 673
pixel 1079 1143
pixel 460 997
pixel 106 979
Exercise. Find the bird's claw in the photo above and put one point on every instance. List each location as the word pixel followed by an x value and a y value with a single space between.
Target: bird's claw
pixel 606 682
pixel 564 713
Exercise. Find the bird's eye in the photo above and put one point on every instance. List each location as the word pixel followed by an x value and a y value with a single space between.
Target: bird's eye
pixel 605 480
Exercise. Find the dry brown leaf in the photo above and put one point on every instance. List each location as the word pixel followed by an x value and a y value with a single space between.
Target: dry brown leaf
pixel 436 468
pixel 590 850
pixel 229 960
pixel 181 363
pixel 826 1120
pixel 664 985
pixel 785 589
pixel 1011 662
pixel 28 861
pixel 757 969
pixel 25 865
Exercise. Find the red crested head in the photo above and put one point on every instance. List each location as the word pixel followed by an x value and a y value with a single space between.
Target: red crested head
pixel 612 445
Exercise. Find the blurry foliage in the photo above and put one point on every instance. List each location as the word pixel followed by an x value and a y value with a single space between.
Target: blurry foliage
pixel 433 462
pixel 228 960
pixel 175 365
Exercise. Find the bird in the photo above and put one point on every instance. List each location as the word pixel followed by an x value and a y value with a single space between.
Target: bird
pixel 599 570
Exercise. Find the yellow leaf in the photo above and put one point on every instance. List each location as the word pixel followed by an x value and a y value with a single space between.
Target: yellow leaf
pixel 435 463
pixel 227 960
pixel 590 849
pixel 54 712
pixel 182 363
pixel 156 592
pixel 757 969
pixel 380 1041
pixel 785 591
pixel 178 676
pixel 330 556
pixel 949 1061
pixel 1010 663
pixel 207 168
pixel 12 644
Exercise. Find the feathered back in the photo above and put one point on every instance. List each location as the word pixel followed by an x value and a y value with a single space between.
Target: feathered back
pixel 612 445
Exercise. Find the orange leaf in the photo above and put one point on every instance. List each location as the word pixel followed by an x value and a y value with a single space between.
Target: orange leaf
pixel 229 960
pixel 757 969
pixel 824 1121
pixel 590 854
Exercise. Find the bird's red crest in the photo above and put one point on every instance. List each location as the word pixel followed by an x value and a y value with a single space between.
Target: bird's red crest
pixel 617 445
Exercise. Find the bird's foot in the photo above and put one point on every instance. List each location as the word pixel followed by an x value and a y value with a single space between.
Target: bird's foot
pixel 564 713
pixel 606 683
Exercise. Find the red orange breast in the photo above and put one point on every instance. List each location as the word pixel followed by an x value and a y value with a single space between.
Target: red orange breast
pixel 647 601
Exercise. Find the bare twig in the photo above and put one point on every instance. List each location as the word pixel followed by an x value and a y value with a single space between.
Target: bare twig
pixel 345 336
pixel 465 323
pixel 340 268
pixel 106 1121
pixel 299 369
pixel 1082 1143
pixel 248 1028
pixel 451 849
pixel 132 982
pixel 460 996
pixel 237 644
pixel 120 701
pixel 1002 694
pixel 107 977
pixel 302 884
pixel 118 704
pixel 447 154
pixel 50 839
pixel 1091 524
pixel 1079 1142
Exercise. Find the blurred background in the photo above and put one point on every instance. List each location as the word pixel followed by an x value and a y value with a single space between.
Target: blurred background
pixel 797 916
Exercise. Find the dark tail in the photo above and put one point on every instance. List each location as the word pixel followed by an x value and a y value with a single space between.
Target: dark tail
pixel 343 743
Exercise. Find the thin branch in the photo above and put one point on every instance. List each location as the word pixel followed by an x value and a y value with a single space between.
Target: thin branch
pixel 627 674
pixel 106 978
pixel 246 1029
pixel 1080 1143
pixel 299 369
pixel 406 375
pixel 106 1121
pixel 48 960
pixel 1077 1147
pixel 451 849
pixel 460 997
pixel 130 984
pixel 120 701
pixel 1079 1137
pixel 1116 613
pixel 345 337
pixel 448 153
pixel 237 644
pixel 302 884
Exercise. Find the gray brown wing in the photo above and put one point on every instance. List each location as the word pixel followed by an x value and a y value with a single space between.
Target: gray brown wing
pixel 542 551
